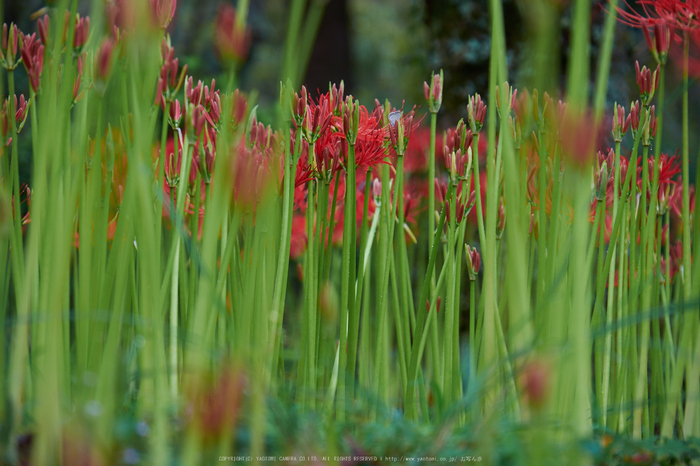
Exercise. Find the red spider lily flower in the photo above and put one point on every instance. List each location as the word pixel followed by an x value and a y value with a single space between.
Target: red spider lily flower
pixel 635 113
pixel 304 172
pixel 169 83
pixel 251 172
pixel 104 58
pixel 20 115
pixel 177 114
pixel 660 43
pixel 673 14
pixel 238 108
pixel 620 125
pixel 457 163
pixel 463 205
pixel 369 140
pixel 82 31
pixel 476 109
pixel 473 262
pixel 208 98
pixel 328 161
pixel 33 57
pixel 459 138
pixel 299 106
pixel 669 167
pixel 675 201
pixel 650 127
pixel 231 37
pixel 193 94
pixel 205 162
pixel 647 82
pixel 602 176
pixel 163 12
pixel 172 169
pixel 253 165
pixel 400 127
pixel 317 121
pixel 8 53
pixel 433 92
pixel 43 26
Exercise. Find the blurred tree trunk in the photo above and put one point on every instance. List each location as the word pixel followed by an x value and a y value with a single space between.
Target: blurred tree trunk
pixel 330 59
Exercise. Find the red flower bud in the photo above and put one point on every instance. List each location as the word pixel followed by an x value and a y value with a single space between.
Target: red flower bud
pixel 231 38
pixel 163 12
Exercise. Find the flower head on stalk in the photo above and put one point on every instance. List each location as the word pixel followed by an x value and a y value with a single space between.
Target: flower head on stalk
pixel 253 164
pixel 369 143
pixel 635 114
pixel 463 207
pixel 206 97
pixel 620 124
pixel 460 138
pixel 650 127
pixel 43 27
pixel 400 128
pixel 602 177
pixel 473 262
pixel 239 106
pixel 169 83
pixel 205 142
pixel 327 160
pixel 669 167
pixel 82 31
pixel 476 109
pixel 231 37
pixel 659 43
pixel 351 120
pixel 458 163
pixel 304 171
pixel 647 82
pixel 512 98
pixel 8 53
pixel 433 92
pixel 163 12
pixel 20 115
pixel 177 115
pixel 33 57
pixel 318 118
